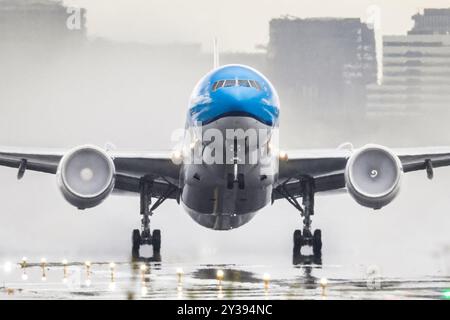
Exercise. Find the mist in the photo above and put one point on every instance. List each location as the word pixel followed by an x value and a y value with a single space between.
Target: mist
pixel 110 84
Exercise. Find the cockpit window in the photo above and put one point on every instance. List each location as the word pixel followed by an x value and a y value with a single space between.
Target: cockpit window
pixel 229 83
pixel 243 83
pixel 217 85
pixel 255 84
pixel 232 83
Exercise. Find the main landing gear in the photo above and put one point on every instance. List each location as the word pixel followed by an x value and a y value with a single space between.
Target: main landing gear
pixel 145 236
pixel 307 238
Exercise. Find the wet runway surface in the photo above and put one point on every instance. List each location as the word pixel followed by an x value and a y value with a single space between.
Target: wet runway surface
pixel 124 280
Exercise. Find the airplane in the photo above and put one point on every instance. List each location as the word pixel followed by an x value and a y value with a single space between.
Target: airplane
pixel 220 188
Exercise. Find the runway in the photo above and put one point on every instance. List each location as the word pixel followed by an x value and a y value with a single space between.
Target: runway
pixel 124 280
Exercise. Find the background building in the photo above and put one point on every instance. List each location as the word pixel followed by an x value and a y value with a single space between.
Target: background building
pixel 416 69
pixel 322 66
pixel 432 21
pixel 28 24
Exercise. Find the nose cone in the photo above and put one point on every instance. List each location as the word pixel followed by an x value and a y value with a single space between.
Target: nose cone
pixel 237 97
pixel 242 101
pixel 234 90
pixel 236 101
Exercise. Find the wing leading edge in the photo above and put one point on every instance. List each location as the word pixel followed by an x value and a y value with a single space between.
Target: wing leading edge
pixel 130 168
pixel 327 167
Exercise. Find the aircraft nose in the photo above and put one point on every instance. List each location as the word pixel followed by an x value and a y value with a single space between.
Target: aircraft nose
pixel 249 102
pixel 235 101
pixel 238 96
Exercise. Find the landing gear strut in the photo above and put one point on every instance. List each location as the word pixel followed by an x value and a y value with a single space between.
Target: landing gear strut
pixel 307 237
pixel 145 236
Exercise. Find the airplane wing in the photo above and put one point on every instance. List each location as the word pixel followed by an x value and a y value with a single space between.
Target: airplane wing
pixel 327 167
pixel 130 167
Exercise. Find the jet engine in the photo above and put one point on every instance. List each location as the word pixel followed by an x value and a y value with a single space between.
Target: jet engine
pixel 86 176
pixel 373 176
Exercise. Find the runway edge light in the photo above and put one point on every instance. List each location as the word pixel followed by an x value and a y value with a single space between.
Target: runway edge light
pixel 266 279
pixel 219 275
pixel 180 273
pixel 323 284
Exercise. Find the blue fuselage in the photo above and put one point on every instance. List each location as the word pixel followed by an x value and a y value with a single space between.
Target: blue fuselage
pixel 251 95
pixel 223 196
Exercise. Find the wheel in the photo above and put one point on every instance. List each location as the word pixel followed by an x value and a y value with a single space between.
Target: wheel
pixel 317 243
pixel 135 254
pixel 136 239
pixel 136 243
pixel 297 241
pixel 156 241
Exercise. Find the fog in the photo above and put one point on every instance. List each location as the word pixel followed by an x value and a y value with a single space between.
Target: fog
pixel 61 92
pixel 240 25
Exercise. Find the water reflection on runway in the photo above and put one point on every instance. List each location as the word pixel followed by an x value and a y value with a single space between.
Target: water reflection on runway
pixel 152 280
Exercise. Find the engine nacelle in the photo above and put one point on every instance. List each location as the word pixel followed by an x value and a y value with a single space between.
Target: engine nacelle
pixel 373 176
pixel 86 176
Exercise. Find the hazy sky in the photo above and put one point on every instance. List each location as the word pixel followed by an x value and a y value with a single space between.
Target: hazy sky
pixel 64 98
pixel 240 25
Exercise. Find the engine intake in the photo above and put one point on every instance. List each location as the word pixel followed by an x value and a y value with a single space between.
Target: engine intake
pixel 86 176
pixel 373 176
